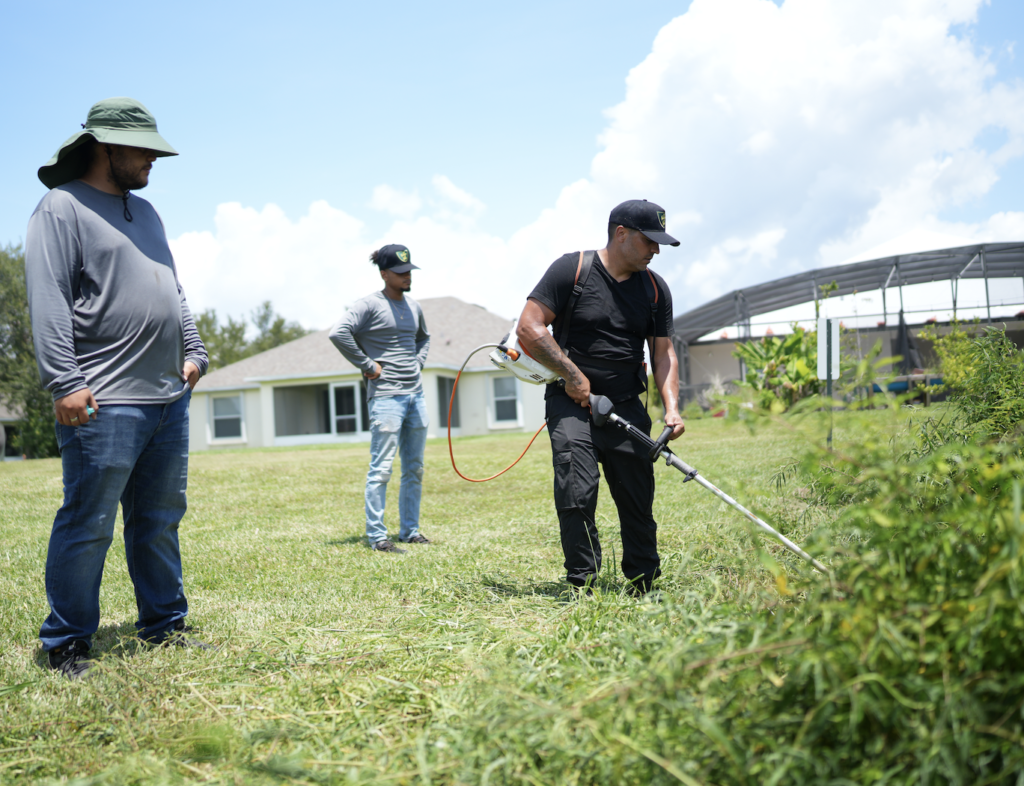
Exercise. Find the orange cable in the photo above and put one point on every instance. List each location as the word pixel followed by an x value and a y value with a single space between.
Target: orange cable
pixel 451 452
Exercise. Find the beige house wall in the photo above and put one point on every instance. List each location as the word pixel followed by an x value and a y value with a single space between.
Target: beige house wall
pixel 259 417
pixel 712 361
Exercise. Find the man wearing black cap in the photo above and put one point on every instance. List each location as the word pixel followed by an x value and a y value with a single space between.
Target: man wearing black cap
pixel 384 334
pixel 603 306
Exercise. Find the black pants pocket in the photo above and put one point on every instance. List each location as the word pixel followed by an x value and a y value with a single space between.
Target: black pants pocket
pixel 565 485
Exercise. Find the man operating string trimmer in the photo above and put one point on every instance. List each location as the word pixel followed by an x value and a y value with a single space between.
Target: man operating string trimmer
pixel 603 305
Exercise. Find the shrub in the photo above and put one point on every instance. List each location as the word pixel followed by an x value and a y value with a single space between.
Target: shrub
pixel 781 370
pixel 990 392
pixel 953 350
pixel 693 411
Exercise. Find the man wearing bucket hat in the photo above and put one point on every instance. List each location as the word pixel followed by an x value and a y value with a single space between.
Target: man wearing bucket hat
pixel 384 334
pixel 604 305
pixel 118 349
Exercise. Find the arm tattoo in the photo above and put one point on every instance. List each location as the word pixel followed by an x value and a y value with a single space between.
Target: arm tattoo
pixel 546 351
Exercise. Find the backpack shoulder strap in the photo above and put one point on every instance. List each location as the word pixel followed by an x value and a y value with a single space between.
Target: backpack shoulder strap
pixel 652 295
pixel 583 267
pixel 652 291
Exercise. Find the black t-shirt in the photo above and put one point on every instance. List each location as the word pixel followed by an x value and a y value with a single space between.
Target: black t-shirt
pixel 611 321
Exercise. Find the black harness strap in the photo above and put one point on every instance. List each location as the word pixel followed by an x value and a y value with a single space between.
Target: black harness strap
pixel 652 296
pixel 583 268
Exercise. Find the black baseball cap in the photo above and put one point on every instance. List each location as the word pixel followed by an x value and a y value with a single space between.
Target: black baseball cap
pixel 395 258
pixel 645 217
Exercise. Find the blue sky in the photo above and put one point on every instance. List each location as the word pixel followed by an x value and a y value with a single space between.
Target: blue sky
pixel 293 102
pixel 492 137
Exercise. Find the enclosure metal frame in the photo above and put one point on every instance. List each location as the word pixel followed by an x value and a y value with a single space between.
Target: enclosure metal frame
pixel 997 260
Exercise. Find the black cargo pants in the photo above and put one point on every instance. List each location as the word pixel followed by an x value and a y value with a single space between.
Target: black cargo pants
pixel 577 446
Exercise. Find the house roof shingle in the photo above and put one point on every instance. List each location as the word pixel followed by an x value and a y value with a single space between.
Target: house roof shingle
pixel 455 328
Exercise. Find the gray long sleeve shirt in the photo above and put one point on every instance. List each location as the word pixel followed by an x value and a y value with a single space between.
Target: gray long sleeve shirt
pixel 107 310
pixel 390 332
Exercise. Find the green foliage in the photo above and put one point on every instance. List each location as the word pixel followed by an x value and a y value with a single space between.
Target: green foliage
pixel 227 344
pixel 20 388
pixel 990 393
pixel 781 370
pixel 954 350
pixel 914 669
pixel 693 411
pixel 272 329
pixel 825 290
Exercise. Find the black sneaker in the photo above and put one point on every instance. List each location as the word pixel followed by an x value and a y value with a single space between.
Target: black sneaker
pixel 70 660
pixel 388 546
pixel 416 539
pixel 180 637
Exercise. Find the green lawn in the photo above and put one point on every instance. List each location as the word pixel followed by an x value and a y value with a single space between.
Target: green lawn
pixel 335 664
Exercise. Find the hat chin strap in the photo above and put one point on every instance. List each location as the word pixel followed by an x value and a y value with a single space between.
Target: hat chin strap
pixel 114 179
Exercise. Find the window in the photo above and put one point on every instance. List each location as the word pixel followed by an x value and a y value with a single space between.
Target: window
pixel 445 385
pixel 345 410
pixel 505 399
pixel 301 410
pixel 227 417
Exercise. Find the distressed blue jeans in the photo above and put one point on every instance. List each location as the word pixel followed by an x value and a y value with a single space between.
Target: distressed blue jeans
pixel 397 424
pixel 137 455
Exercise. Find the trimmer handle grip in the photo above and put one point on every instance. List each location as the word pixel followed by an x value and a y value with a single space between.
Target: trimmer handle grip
pixel 660 443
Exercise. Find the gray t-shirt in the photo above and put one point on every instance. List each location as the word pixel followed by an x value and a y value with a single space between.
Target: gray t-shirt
pixel 390 332
pixel 107 310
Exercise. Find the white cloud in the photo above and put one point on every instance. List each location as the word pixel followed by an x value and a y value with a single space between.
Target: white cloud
pixel 761 142
pixel 394 201
pixel 461 199
pixel 252 256
pixel 778 138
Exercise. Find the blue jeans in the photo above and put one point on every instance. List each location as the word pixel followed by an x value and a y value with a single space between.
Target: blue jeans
pixel 397 423
pixel 138 455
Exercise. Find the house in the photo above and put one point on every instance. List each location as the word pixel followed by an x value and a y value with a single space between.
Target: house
pixel 305 392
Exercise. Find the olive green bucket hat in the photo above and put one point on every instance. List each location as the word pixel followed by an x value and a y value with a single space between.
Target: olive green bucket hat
pixel 114 121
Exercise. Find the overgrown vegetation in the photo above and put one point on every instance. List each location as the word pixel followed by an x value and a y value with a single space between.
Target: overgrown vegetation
pixel 989 391
pixel 954 349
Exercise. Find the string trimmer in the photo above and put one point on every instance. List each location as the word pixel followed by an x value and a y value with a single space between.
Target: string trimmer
pixel 602 411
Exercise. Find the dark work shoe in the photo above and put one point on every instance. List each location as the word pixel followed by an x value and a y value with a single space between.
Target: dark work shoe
pixel 416 539
pixel 180 636
pixel 388 546
pixel 71 660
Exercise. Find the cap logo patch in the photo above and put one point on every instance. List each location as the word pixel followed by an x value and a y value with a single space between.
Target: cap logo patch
pixel 661 218
pixel 404 255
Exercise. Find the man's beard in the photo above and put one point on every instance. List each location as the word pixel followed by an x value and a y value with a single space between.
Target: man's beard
pixel 125 177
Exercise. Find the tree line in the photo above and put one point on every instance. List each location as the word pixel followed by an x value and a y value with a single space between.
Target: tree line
pixel 22 393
